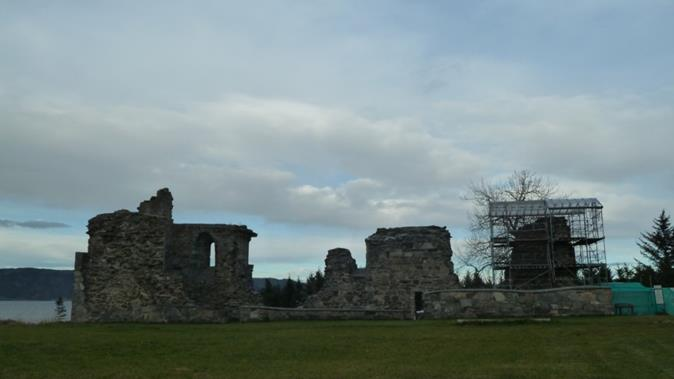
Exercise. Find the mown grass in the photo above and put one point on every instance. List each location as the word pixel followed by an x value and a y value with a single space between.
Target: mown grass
pixel 611 347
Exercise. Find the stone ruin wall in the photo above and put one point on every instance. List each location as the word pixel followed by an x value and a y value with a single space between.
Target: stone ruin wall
pixel 487 303
pixel 140 266
pixel 399 262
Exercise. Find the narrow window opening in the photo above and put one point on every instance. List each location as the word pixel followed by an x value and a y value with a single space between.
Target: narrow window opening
pixel 211 262
pixel 204 251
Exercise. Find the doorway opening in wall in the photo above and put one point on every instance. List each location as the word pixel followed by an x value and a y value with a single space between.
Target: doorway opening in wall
pixel 418 305
pixel 211 254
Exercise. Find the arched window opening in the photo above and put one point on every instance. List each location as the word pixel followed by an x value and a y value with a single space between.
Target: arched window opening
pixel 211 261
pixel 204 251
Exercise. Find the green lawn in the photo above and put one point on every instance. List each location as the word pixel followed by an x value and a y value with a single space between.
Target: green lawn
pixel 625 347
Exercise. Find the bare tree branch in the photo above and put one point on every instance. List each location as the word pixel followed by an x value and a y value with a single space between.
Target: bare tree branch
pixel 522 185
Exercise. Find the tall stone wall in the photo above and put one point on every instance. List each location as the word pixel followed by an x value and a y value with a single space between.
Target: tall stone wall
pixel 471 303
pixel 400 262
pixel 160 205
pixel 229 281
pixel 140 266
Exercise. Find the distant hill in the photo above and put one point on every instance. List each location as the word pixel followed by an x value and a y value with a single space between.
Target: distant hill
pixel 35 284
pixel 45 284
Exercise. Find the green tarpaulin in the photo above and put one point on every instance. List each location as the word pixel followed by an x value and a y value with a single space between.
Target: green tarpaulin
pixel 642 300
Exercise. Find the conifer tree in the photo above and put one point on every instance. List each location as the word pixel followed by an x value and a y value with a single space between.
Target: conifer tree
pixel 467 280
pixel 314 282
pixel 320 280
pixel 288 294
pixel 657 247
pixel 268 295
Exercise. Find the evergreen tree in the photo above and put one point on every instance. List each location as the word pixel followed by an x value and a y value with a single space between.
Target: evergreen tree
pixel 657 247
pixel 288 295
pixel 310 284
pixel 467 281
pixel 269 297
pixel 300 292
pixel 314 282
pixel 320 280
pixel 277 296
pixel 60 310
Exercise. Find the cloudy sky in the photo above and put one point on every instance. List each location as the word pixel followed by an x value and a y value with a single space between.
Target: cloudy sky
pixel 315 122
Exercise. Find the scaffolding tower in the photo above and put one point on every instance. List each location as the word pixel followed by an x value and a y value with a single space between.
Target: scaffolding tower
pixel 547 243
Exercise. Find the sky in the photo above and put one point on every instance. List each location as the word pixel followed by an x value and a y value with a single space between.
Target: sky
pixel 316 122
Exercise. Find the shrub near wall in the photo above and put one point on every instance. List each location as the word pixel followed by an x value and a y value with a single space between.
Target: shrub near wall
pixel 469 303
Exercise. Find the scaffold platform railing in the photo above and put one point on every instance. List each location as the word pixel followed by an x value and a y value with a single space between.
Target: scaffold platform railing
pixel 547 243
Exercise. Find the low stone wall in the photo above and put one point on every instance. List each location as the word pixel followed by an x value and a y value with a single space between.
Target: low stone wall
pixel 262 313
pixel 565 301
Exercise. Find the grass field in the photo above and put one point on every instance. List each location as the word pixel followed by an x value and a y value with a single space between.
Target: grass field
pixel 612 347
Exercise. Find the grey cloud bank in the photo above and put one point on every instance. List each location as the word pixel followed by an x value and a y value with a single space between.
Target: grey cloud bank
pixel 346 115
pixel 235 155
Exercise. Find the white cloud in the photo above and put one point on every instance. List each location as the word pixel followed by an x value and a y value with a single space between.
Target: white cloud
pixel 628 210
pixel 242 154
pixel 357 115
pixel 580 137
pixel 266 157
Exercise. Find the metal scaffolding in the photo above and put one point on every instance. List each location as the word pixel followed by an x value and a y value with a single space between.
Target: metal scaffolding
pixel 547 243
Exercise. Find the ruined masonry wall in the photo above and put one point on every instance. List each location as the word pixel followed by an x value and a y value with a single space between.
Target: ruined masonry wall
pixel 140 266
pixel 400 262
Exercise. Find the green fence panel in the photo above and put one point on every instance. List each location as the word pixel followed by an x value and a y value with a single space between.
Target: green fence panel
pixel 640 298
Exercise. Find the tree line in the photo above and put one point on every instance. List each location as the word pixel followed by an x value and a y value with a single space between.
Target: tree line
pixel 292 293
